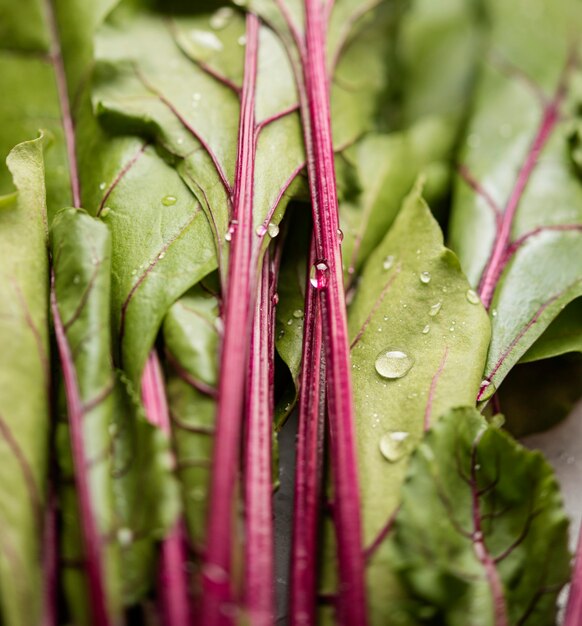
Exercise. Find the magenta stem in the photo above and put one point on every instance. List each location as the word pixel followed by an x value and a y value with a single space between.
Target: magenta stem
pixel 501 253
pixel 319 146
pixel 217 586
pixel 259 599
pixel 173 582
pixel 573 615
pixel 308 467
pixel 56 57
pixel 91 538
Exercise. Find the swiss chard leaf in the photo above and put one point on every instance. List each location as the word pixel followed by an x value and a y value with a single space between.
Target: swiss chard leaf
pixel 418 343
pixel 81 252
pixel 24 386
pixel 489 545
pixel 517 224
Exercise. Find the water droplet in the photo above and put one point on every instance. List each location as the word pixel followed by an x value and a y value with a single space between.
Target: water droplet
pixel 388 262
pixel 393 363
pixel 169 200
pixel 395 445
pixel 298 313
pixel 76 279
pixel 242 40
pixel 221 18
pixel 340 234
pixel 125 536
pixel 261 230
pixel 215 573
pixel 105 211
pixel 204 41
pixel 434 309
pixel 486 390
pixel 425 278
pixel 231 230
pixel 102 185
pixel 289 322
pixel 426 330
pixel 319 275
pixel 180 140
pixel 494 313
pixel 472 296
pixel 273 230
pixel 133 272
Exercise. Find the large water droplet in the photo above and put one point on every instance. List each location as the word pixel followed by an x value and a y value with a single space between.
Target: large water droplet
pixel 169 200
pixel 472 296
pixel 221 18
pixel 125 536
pixel 319 275
pixel 298 313
pixel 340 234
pixel 394 445
pixel 242 40
pixel 273 230
pixel 434 309
pixel 393 363
pixel 204 41
pixel 426 330
pixel 261 230
pixel 424 278
pixel 105 211
pixel 102 185
pixel 388 262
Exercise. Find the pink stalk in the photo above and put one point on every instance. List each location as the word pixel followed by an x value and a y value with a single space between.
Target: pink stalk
pixel 173 582
pixel 502 249
pixel 217 597
pixel 573 615
pixel 328 277
pixel 90 535
pixel 259 599
pixel 308 467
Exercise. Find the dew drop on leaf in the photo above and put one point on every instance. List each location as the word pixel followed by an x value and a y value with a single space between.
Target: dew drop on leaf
pixel 169 200
pixel 273 230
pixel 394 445
pixel 472 296
pixel 221 18
pixel 298 313
pixel 393 363
pixel 434 309
pixel 426 330
pixel 388 262
pixel 425 278
pixel 105 211
pixel 125 536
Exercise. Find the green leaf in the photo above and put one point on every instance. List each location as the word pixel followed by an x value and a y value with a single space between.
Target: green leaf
pixel 81 252
pixel 147 498
pixel 24 386
pixel 517 218
pixel 192 110
pixel 418 346
pixel 481 536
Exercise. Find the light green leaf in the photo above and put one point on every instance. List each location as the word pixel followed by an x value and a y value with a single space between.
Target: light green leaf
pixel 481 535
pixel 516 164
pixel 81 252
pixel 418 346
pixel 24 387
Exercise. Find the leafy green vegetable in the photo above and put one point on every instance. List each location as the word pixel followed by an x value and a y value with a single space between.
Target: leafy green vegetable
pixel 489 545
pixel 415 332
pixel 524 258
pixel 81 252
pixel 24 386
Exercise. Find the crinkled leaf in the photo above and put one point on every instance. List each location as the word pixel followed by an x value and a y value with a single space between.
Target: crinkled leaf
pixel 81 252
pixel 517 218
pixel 481 536
pixel 24 386
pixel 411 320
